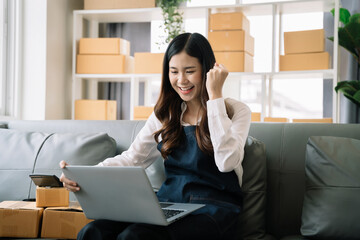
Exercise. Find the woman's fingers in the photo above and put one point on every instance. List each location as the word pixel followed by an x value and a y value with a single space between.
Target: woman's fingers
pixel 67 183
pixel 63 164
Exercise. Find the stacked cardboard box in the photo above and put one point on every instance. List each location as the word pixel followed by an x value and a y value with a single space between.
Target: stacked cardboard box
pixel 104 56
pixel 86 109
pixel 304 50
pixel 19 219
pixel 229 36
pixel 118 4
pixel 52 197
pixel 142 112
pixel 71 219
pixel 146 62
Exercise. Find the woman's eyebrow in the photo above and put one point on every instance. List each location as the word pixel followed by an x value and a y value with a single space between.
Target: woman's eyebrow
pixel 188 67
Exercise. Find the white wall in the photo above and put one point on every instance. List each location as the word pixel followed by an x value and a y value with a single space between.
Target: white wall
pixel 34 59
pixel 47 47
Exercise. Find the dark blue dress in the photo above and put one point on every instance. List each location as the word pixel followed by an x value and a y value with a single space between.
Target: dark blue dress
pixel 193 177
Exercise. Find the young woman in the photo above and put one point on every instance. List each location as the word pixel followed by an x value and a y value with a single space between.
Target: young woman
pixel 201 137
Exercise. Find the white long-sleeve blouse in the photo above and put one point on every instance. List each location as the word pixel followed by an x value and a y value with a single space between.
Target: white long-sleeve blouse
pixel 228 136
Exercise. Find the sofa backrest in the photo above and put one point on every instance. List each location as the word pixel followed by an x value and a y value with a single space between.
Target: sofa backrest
pixel 285 152
pixel 285 145
pixel 123 133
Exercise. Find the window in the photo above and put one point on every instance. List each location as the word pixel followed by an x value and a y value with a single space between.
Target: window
pixel 2 56
pixel 9 57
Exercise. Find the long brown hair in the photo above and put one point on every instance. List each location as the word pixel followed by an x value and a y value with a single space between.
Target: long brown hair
pixel 168 106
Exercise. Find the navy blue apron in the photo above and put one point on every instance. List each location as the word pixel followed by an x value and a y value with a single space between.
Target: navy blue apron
pixel 193 177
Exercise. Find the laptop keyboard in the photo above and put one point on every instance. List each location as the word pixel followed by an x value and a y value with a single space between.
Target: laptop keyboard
pixel 171 212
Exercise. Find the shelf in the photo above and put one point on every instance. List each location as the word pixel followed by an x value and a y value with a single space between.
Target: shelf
pixel 151 14
pixel 325 74
pixel 328 73
pixel 86 24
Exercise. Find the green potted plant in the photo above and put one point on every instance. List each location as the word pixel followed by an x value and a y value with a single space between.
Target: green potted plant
pixel 349 38
pixel 173 18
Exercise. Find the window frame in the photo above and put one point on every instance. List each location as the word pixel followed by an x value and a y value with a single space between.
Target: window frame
pixel 10 59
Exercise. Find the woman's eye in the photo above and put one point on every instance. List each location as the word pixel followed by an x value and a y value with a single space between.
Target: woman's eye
pixel 173 72
pixel 190 72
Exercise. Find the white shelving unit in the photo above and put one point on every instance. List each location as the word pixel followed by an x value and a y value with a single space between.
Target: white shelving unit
pixel 86 24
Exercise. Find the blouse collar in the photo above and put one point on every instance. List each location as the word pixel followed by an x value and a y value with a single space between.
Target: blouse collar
pixel 183 109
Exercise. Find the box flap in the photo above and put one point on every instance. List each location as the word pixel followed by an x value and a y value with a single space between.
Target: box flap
pixel 73 206
pixel 18 205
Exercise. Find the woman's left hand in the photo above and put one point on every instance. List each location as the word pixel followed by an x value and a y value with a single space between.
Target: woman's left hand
pixel 215 80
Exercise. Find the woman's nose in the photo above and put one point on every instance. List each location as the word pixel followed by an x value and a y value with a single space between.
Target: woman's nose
pixel 182 78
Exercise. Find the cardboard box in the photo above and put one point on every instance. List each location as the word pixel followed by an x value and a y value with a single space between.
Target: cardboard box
pixel 275 119
pixel 306 61
pixel 255 117
pixel 104 64
pixel 95 109
pixel 229 21
pixel 118 4
pixel 63 222
pixel 104 46
pixel 19 219
pixel 235 61
pixel 142 112
pixel 52 197
pixel 314 120
pixel 237 40
pixel 146 62
pixel 304 41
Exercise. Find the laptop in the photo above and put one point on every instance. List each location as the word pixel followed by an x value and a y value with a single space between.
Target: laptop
pixel 123 194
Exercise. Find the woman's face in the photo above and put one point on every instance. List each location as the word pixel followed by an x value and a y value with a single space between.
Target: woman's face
pixel 185 74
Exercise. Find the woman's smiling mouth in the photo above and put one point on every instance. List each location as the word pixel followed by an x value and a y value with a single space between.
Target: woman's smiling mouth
pixel 186 90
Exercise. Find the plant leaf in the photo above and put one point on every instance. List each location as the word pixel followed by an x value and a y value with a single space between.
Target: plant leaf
pixel 349 37
pixel 350 89
pixel 344 15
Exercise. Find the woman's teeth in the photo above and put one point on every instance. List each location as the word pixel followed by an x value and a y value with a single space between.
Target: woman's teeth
pixel 185 89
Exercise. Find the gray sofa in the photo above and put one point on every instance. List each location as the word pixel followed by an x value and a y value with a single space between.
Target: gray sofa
pixel 274 164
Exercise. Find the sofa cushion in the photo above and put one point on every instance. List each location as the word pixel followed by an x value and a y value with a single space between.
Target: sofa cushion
pixel 23 153
pixel 252 220
pixel 17 153
pixel 331 204
pixel 75 149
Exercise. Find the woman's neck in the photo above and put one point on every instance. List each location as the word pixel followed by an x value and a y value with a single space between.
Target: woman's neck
pixel 193 113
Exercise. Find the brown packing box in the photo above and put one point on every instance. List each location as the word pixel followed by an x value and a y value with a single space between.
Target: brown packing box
pixel 229 21
pixel 237 40
pixel 275 119
pixel 63 222
pixel 314 120
pixel 304 41
pixel 306 61
pixel 118 4
pixel 19 219
pixel 142 112
pixel 52 197
pixel 104 64
pixel 104 46
pixel 255 117
pixel 235 61
pixel 95 109
pixel 146 62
